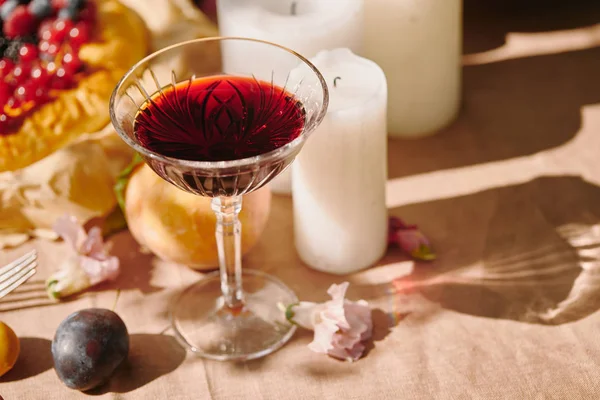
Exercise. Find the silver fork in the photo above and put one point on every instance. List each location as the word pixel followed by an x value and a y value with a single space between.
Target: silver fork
pixel 17 272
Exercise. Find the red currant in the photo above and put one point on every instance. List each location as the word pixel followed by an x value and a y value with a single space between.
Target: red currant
pixel 80 34
pixel 60 30
pixel 49 50
pixel 4 122
pixel 21 73
pixel 40 94
pixel 39 75
pixel 23 93
pixel 62 78
pixel 45 29
pixel 20 23
pixel 13 102
pixel 43 46
pixel 51 67
pixel 6 67
pixel 29 92
pixel 28 53
pixel 5 93
pixel 71 62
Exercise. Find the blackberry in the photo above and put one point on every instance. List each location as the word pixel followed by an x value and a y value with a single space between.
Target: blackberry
pixel 71 10
pixel 76 4
pixel 7 8
pixel 12 46
pixel 4 42
pixel 12 50
pixel 32 38
pixel 40 8
pixel 68 13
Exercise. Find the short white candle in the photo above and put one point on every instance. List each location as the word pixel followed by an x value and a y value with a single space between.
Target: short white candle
pixel 418 44
pixel 339 177
pixel 305 26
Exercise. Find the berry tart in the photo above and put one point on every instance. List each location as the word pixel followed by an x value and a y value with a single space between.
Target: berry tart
pixel 59 62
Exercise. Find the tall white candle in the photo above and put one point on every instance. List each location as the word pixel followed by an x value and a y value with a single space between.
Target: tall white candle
pixel 418 43
pixel 305 26
pixel 339 177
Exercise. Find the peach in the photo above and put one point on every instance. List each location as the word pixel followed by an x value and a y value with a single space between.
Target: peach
pixel 180 227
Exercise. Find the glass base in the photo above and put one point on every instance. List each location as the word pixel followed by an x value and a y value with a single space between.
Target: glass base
pixel 213 331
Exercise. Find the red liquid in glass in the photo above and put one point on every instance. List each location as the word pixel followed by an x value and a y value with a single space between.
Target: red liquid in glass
pixel 220 118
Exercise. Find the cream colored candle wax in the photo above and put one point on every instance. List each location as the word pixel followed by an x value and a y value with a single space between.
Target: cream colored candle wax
pixel 339 178
pixel 418 43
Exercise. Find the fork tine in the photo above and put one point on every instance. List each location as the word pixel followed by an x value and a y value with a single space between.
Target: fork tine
pixel 18 282
pixel 16 274
pixel 19 262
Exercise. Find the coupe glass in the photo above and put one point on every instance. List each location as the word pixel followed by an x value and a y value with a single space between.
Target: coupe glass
pixel 216 317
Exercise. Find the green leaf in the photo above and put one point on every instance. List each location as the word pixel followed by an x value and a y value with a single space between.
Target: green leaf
pixel 114 222
pixel 123 180
pixel 289 313
pixel 50 289
pixel 424 253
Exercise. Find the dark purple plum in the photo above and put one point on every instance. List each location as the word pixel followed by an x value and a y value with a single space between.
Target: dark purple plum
pixel 88 346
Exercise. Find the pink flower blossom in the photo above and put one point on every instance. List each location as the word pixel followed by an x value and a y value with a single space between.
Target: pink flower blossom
pixel 410 239
pixel 89 264
pixel 340 326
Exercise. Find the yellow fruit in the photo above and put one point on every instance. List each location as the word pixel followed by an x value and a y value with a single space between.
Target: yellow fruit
pixel 180 227
pixel 9 348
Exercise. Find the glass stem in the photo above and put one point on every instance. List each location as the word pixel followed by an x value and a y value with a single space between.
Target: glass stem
pixel 229 244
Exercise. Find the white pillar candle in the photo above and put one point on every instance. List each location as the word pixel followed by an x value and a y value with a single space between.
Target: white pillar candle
pixel 418 43
pixel 305 26
pixel 339 177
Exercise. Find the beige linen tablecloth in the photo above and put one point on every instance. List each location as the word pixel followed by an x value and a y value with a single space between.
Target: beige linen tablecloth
pixel 510 197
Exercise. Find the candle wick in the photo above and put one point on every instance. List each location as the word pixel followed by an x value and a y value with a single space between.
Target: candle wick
pixel 335 80
pixel 294 7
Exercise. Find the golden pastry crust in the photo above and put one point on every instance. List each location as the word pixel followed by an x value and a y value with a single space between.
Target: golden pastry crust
pixel 121 41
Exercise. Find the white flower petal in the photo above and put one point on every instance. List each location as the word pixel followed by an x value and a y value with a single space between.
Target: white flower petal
pixel 68 279
pixel 322 341
pixel 71 231
pixel 341 326
pixel 100 270
pixel 334 308
pixel 89 263
pixel 93 246
pixel 359 318
pixel 306 314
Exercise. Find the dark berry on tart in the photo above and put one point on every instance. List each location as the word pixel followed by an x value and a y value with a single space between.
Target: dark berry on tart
pixel 59 63
pixel 39 43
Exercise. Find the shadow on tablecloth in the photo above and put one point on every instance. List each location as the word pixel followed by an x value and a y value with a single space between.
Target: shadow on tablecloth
pixel 35 358
pixel 528 252
pixel 486 23
pixel 512 107
pixel 136 267
pixel 150 357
